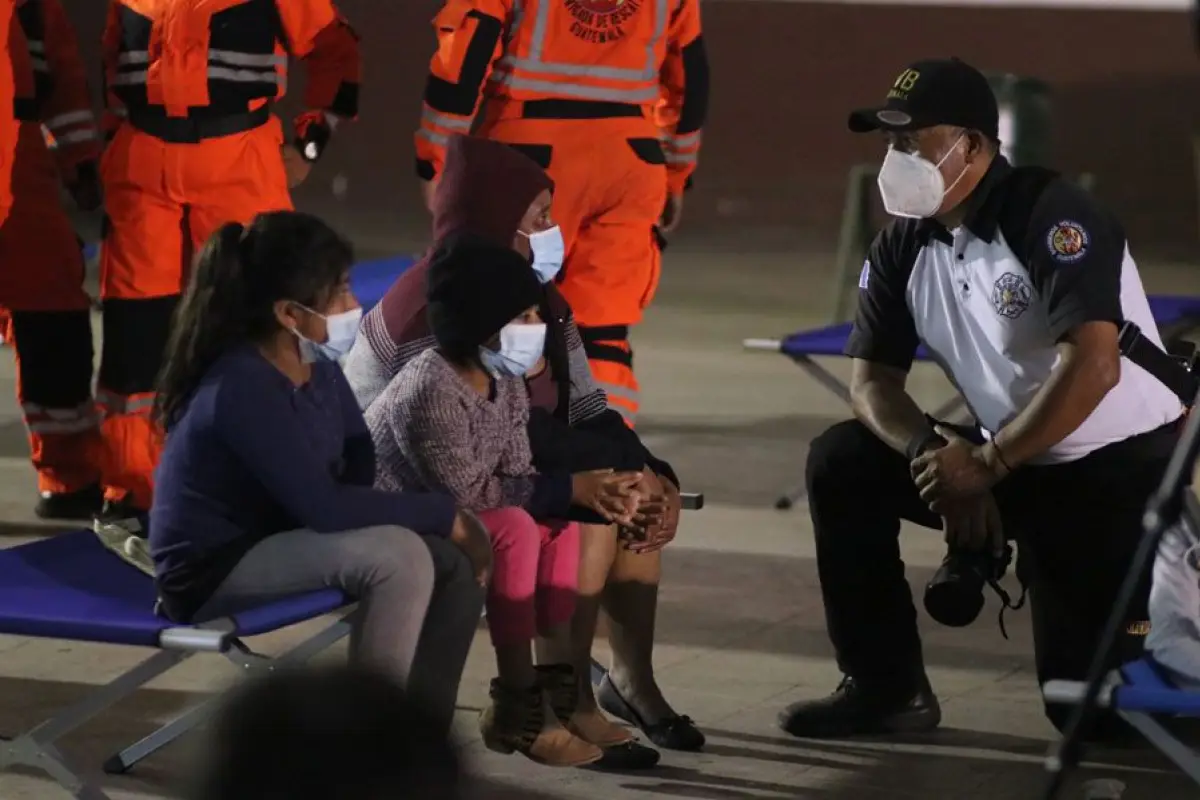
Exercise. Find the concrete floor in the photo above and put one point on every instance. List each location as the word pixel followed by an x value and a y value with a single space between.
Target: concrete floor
pixel 741 625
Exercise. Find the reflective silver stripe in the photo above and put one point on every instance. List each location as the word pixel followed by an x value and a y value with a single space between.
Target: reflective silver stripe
pixel 74 137
pixel 578 90
pixel 681 158
pixel 242 75
pixel 535 63
pixel 445 121
pixel 134 57
pixel 686 140
pixel 246 59
pixel 69 118
pixel 64 427
pixel 128 78
pixel 440 139
pixel 116 404
pixel 613 390
pixel 61 420
pixel 39 64
pixel 36 46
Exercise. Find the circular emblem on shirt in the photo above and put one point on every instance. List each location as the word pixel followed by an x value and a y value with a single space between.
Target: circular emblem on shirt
pixel 1067 241
pixel 1011 295
pixel 601 21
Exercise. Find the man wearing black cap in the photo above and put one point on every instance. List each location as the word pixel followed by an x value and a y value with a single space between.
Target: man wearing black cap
pixel 1016 282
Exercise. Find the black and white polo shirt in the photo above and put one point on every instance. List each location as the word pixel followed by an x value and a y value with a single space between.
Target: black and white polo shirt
pixel 991 318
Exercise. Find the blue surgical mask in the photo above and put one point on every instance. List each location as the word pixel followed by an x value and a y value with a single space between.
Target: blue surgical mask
pixel 548 250
pixel 521 346
pixel 341 330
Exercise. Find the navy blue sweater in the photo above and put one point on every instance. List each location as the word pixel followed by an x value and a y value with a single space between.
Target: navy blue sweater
pixel 253 455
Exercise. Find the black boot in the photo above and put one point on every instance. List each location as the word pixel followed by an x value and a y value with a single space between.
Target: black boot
pixel 123 513
pixel 80 504
pixel 853 710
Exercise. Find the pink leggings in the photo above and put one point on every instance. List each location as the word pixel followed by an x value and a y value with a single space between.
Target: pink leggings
pixel 535 576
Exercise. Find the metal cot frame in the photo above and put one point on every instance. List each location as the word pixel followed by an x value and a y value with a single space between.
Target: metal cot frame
pixel 38 747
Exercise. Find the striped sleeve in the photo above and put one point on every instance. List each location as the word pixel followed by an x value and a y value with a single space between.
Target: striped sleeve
pixel 470 41
pixel 683 95
pixel 586 398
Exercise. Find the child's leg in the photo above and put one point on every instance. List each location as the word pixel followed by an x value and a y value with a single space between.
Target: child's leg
pixel 521 716
pixel 557 581
pixel 511 615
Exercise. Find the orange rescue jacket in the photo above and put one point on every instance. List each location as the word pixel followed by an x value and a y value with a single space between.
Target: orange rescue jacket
pixel 206 58
pixel 58 97
pixel 643 52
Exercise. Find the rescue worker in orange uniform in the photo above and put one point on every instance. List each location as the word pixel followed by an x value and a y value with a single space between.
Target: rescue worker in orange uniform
pixel 8 120
pixel 190 85
pixel 609 96
pixel 41 276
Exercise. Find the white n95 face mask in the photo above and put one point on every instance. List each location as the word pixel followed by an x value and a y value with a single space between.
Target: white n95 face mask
pixel 520 348
pixel 913 187
pixel 548 251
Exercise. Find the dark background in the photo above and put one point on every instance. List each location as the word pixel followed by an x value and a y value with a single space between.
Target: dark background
pixel 1126 86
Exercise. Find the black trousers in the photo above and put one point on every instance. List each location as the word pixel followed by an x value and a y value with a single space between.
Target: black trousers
pixel 1076 526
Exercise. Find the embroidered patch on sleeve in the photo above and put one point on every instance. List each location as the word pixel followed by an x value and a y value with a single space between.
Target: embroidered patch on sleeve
pixel 1067 241
pixel 865 276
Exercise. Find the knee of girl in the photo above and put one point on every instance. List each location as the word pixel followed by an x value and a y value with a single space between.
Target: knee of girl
pixel 512 529
pixel 392 553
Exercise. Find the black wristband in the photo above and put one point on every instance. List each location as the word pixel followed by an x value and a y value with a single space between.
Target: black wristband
pixel 922 442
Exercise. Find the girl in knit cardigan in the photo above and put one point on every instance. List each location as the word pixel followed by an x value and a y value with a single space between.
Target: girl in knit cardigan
pixel 454 420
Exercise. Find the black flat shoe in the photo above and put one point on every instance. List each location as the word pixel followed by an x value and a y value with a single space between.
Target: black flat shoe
pixel 627 756
pixel 676 732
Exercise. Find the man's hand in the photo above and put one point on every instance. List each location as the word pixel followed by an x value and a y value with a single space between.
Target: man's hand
pixel 973 524
pixel 295 166
pixel 472 537
pixel 671 214
pixel 428 190
pixel 957 471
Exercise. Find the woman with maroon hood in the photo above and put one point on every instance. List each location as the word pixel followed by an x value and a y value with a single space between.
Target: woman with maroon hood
pixel 491 192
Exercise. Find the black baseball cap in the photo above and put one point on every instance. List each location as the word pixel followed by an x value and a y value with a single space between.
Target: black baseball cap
pixel 944 91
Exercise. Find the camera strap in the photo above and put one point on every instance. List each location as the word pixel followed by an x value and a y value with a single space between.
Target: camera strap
pixel 1006 602
pixel 1169 370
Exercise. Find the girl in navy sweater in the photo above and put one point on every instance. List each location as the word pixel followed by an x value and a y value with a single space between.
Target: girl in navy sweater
pixel 264 488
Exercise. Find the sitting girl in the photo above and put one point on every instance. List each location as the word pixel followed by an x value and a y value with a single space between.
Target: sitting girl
pixel 264 486
pixel 454 419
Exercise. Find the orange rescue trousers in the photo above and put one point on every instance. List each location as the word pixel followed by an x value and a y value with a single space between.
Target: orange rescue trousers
pixel 41 288
pixel 163 200
pixel 610 187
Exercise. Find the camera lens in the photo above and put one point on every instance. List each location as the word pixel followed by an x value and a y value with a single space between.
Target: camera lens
pixel 954 595
pixel 953 604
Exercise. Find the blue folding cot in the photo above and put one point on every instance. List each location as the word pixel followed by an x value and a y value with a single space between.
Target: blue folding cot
pixel 1176 317
pixel 69 587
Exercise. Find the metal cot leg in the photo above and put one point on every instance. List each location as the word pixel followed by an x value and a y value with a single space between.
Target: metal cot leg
pixel 243 657
pixel 37 749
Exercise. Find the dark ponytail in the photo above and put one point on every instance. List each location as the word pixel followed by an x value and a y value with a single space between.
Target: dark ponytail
pixel 238 276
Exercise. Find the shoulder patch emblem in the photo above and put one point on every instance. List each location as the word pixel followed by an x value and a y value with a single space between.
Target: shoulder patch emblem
pixel 1067 241
pixel 864 277
pixel 1011 295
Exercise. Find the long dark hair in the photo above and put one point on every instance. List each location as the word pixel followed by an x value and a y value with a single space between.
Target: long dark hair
pixel 239 275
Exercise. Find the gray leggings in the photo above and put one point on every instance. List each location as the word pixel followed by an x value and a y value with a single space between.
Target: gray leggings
pixel 419 604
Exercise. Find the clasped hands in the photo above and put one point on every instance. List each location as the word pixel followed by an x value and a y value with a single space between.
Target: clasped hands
pixel 644 506
pixel 955 481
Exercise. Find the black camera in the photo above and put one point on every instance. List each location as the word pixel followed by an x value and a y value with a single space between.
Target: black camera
pixel 954 595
